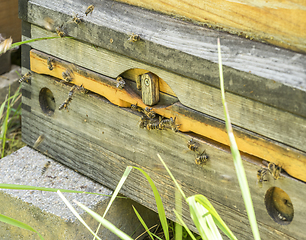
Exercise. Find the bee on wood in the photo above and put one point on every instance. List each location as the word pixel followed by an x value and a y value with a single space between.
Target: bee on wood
pixel 45 167
pixel 134 107
pixel 120 83
pixel 168 123
pixel 76 19
pixel 152 126
pixel 149 113
pixel 134 38
pixel 26 77
pixel 202 159
pixel 38 141
pixel 82 89
pixel 60 31
pixel 89 9
pixel 274 170
pixel 192 145
pixel 69 99
pixel 144 122
pixel 261 174
pixel 67 75
pixel 49 62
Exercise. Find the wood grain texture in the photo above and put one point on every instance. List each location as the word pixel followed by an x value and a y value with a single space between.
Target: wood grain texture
pixel 245 113
pixel 277 75
pixel 277 22
pixel 188 120
pixel 100 140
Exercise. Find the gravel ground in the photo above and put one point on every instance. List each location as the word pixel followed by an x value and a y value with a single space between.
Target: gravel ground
pixel 24 167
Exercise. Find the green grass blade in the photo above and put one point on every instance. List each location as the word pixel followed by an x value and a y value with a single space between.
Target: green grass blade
pixel 159 204
pixel 203 221
pixel 19 224
pixel 178 208
pixel 4 126
pixel 216 217
pixel 104 222
pixel 173 179
pixel 179 218
pixel 143 223
pixel 115 193
pixel 71 208
pixel 26 187
pixel 243 183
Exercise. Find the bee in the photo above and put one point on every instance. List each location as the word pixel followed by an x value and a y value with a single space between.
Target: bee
pixel 149 113
pixel 120 83
pixel 274 170
pixel 201 159
pixel 154 125
pixel 60 31
pixel 192 145
pixel 82 89
pixel 71 91
pixel 134 38
pixel 261 174
pixel 169 122
pixel 38 141
pixel 26 77
pixel 136 108
pixel 65 104
pixel 76 19
pixel 67 75
pixel 45 167
pixel 143 122
pixel 89 9
pixel 49 62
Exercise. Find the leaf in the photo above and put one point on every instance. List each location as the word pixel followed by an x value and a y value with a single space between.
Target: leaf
pixel 17 223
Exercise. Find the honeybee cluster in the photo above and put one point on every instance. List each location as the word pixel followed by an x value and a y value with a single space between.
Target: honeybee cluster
pixel 151 121
pixel 272 169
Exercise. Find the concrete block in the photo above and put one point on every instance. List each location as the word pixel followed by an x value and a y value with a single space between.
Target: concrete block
pixel 45 212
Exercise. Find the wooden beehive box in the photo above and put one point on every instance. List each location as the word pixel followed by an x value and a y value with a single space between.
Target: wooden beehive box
pixel 175 63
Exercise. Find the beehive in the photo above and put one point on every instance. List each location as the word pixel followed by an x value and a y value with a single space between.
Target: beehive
pixel 129 56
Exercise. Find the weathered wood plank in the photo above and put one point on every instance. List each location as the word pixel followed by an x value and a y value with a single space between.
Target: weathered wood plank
pixel 251 19
pixel 185 49
pixel 291 160
pixel 95 137
pixel 254 116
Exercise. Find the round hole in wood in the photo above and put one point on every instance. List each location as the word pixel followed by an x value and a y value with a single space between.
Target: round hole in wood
pixel 47 101
pixel 279 206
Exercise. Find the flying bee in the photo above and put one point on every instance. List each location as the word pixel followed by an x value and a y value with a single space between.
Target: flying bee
pixel 60 31
pixel 261 174
pixel 202 159
pixel 143 122
pixel 89 9
pixel 154 125
pixel 149 113
pixel 120 83
pixel 49 62
pixel 71 91
pixel 136 108
pixel 26 77
pixel 76 19
pixel 274 170
pixel 67 75
pixel 192 145
pixel 38 141
pixel 134 38
pixel 45 167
